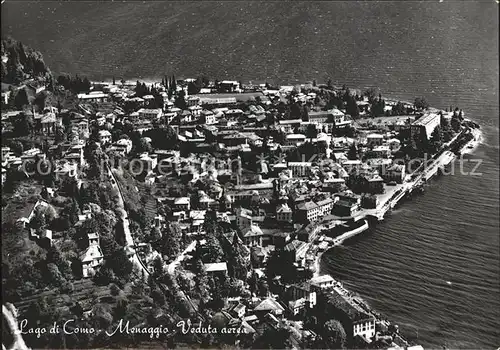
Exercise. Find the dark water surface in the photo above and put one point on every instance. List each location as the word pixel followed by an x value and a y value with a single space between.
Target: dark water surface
pixel 446 52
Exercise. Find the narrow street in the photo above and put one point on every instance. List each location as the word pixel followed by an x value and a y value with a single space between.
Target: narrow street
pixel 173 265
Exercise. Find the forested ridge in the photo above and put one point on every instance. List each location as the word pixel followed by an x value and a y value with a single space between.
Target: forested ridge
pixel 20 63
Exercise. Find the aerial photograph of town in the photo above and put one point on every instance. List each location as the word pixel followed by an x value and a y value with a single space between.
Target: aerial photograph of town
pixel 250 175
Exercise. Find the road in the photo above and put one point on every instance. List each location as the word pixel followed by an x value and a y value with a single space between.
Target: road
pixel 11 323
pixel 126 226
pixel 173 265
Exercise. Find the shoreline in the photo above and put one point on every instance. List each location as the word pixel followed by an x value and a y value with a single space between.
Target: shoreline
pixel 442 160
pixel 478 140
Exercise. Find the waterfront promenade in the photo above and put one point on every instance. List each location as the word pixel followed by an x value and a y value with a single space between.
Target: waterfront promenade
pixel 389 200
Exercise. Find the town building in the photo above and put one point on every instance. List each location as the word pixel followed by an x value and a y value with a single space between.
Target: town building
pixel 215 268
pixel 374 139
pixel 104 137
pixel 295 139
pixel 395 173
pixel 92 258
pixel 269 305
pixel 300 169
pixel 229 86
pixel 284 213
pixel 356 321
pixel 325 206
pixel 425 125
pixel 289 125
pixel 347 205
pixel 323 281
pixel 94 96
pixel 150 114
pixel 308 212
pixel 253 236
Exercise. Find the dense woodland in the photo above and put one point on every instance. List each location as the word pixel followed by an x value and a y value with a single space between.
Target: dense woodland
pixel 20 63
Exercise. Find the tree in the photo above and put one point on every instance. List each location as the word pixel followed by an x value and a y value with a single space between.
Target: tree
pixel 174 83
pixel 446 128
pixel 436 140
pixel 201 282
pixel 311 131
pixel 120 264
pixel 351 106
pixel 95 160
pixel 40 101
pixel 102 316
pixel 21 99
pixel 295 111
pixel 104 276
pixel 60 135
pixel 180 101
pixel 455 124
pixel 194 87
pixel 371 93
pixel 158 267
pixel 158 297
pixel 144 146
pixel 114 289
pixel 213 250
pixel 17 147
pixel 352 154
pixel 305 113
pixel 85 85
pixel 38 221
pixel 420 103
pixel 273 338
pixel 334 335
pixel 54 275
pixel 171 241
pixel 378 108
pixel 398 109
pixel 238 266
pixel 329 84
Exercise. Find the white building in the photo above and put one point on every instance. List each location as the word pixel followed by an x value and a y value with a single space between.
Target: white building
pixel 104 137
pixel 126 143
pixel 92 257
pixel 395 173
pixel 374 139
pixel 284 213
pixel 94 96
pixel 308 211
pixel 151 114
pixel 295 139
pixel 300 169
pixel 425 124
pixel 324 281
